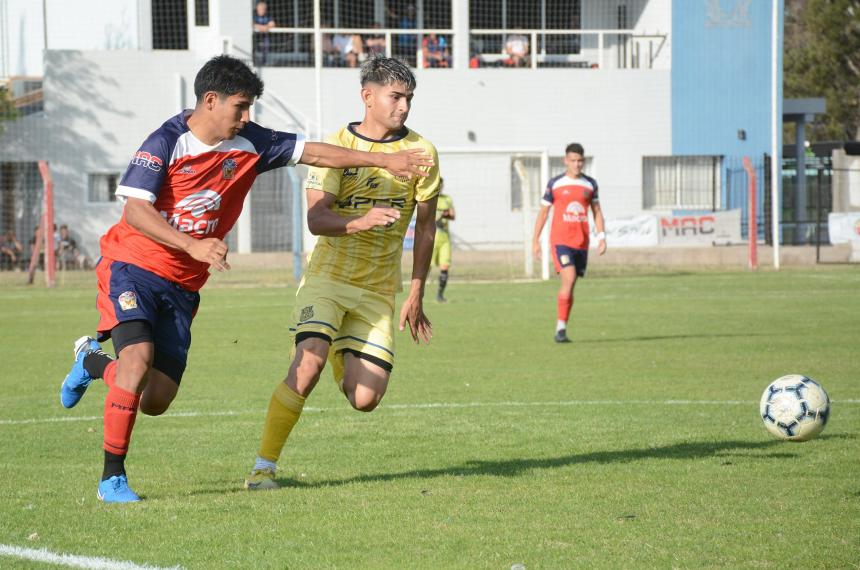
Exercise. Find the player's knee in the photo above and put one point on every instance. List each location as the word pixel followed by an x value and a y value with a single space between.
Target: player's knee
pixel 153 409
pixel 306 373
pixel 365 402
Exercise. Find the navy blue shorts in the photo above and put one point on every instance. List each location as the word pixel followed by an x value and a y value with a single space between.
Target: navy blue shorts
pixel 129 293
pixel 564 256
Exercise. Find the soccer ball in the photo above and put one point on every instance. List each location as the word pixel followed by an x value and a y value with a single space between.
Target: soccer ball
pixel 794 408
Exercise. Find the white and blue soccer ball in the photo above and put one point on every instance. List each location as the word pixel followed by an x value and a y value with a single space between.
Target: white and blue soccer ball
pixel 794 408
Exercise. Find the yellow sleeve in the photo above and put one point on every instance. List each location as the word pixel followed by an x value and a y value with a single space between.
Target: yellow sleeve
pixel 427 187
pixel 325 179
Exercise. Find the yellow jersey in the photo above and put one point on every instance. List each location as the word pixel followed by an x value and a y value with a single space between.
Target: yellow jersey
pixel 370 259
pixel 444 203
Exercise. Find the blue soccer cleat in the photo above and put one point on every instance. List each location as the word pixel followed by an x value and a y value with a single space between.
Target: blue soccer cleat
pixel 78 379
pixel 116 490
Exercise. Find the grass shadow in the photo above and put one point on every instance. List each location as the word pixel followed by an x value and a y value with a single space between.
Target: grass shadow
pixel 520 467
pixel 602 340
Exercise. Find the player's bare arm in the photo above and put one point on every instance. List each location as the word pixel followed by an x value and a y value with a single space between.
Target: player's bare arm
pixel 410 162
pixel 142 216
pixel 600 225
pixel 412 312
pixel 449 214
pixel 323 221
pixel 539 223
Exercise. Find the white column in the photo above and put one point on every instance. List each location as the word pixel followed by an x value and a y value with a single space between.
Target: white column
pixel 776 130
pixel 460 25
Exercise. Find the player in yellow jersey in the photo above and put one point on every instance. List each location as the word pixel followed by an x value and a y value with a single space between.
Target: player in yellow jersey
pixel 344 310
pixel 442 245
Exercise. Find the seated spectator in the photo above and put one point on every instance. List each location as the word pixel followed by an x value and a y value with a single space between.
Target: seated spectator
pixel 68 255
pixel 517 50
pixel 11 252
pixel 263 22
pixel 349 48
pixel 434 49
pixel 375 45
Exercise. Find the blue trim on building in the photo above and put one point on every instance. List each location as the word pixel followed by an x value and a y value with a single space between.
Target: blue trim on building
pixel 721 77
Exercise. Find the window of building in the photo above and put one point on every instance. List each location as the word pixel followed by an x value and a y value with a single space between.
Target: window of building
pixel 524 14
pixel 169 24
pixel 201 12
pixel 101 187
pixel 681 182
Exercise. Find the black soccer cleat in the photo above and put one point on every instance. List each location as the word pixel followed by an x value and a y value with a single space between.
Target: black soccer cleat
pixel 561 336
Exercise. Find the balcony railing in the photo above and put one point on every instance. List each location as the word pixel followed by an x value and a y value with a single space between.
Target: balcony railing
pixel 526 48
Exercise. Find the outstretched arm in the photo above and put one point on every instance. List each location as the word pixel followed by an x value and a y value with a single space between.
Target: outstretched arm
pixel 412 312
pixel 409 163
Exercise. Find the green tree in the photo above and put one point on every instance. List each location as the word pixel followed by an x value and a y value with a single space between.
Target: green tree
pixel 822 59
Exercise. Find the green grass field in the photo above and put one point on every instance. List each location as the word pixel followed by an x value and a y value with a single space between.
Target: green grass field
pixel 637 446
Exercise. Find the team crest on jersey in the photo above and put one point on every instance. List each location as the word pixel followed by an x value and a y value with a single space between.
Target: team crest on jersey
pixel 127 301
pixel 228 168
pixel 307 313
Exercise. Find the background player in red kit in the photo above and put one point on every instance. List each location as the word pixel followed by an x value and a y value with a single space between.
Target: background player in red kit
pixel 569 195
pixel 183 191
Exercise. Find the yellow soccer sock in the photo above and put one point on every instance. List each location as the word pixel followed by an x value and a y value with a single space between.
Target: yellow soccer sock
pixel 285 407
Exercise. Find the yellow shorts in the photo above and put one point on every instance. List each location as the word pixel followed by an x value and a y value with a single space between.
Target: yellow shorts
pixel 354 318
pixel 441 249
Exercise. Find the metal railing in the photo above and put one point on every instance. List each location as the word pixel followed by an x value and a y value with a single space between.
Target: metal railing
pixel 602 48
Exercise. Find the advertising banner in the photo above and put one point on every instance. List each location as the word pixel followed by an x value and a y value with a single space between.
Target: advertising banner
pixel 844 227
pixel 711 228
pixel 638 231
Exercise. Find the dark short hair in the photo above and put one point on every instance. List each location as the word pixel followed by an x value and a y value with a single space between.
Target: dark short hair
pixel 575 147
pixel 227 76
pixel 387 71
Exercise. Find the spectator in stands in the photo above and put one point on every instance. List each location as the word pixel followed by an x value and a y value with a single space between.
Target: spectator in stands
pixel 375 44
pixel 11 252
pixel 263 22
pixel 68 254
pixel 517 50
pixel 331 52
pixel 350 49
pixel 434 50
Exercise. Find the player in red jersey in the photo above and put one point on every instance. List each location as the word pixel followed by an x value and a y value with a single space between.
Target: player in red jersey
pixel 569 195
pixel 183 191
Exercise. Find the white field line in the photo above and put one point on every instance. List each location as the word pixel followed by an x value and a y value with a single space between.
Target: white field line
pixel 73 561
pixel 428 406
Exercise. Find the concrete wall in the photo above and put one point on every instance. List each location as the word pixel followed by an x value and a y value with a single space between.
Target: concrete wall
pixel 78 25
pixel 100 105
pixel 721 70
pixel 511 108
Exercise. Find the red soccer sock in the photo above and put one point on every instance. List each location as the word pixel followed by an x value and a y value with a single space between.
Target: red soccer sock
pixel 110 374
pixel 120 413
pixel 564 305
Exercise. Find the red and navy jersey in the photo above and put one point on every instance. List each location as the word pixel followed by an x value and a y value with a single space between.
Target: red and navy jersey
pixel 199 189
pixel 570 199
